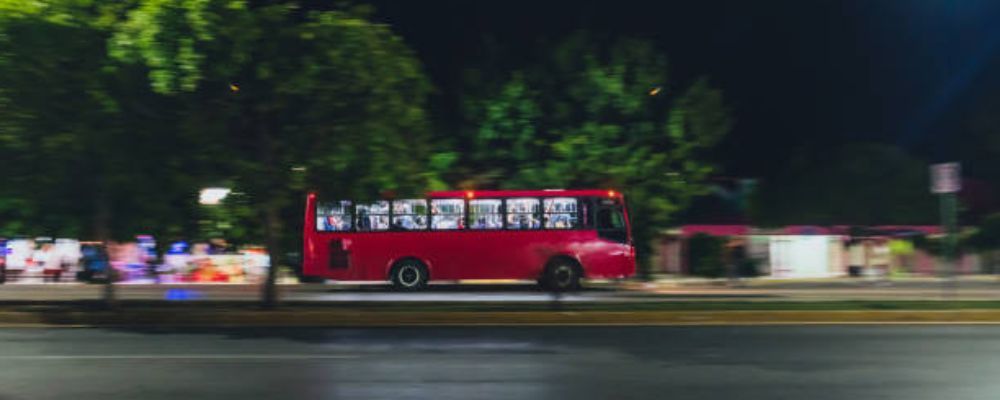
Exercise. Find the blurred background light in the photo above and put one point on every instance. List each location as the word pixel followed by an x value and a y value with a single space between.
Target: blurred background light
pixel 212 196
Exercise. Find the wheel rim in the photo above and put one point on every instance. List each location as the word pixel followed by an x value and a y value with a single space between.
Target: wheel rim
pixel 563 275
pixel 409 275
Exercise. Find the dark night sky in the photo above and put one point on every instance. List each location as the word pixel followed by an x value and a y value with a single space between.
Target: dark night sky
pixel 797 73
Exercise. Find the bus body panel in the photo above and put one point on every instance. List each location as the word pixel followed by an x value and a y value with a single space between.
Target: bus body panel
pixel 462 254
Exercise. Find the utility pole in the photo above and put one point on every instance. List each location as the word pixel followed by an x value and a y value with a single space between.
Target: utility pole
pixel 946 181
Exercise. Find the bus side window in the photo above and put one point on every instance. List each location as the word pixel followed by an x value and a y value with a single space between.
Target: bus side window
pixel 522 214
pixel 560 213
pixel 333 216
pixel 409 214
pixel 485 214
pixel 447 214
pixel 373 216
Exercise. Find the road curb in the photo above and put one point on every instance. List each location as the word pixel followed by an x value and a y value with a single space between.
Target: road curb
pixel 340 318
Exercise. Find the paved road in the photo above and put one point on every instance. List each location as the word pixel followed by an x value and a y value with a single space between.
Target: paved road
pixel 861 362
pixel 982 289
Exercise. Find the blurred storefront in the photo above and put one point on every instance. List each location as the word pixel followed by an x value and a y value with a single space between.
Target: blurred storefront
pixel 201 263
pixel 43 260
pixel 805 251
pixel 40 259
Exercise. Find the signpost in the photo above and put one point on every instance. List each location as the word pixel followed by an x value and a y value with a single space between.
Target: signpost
pixel 946 180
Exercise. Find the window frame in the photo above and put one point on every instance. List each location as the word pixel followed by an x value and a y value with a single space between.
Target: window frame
pixel 389 215
pixel 537 214
pixel 502 213
pixel 464 217
pixel 587 220
pixel 353 215
pixel 426 214
pixel 584 222
pixel 576 214
pixel 618 207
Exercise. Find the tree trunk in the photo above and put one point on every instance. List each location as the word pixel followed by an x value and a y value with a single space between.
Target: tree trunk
pixel 269 187
pixel 272 234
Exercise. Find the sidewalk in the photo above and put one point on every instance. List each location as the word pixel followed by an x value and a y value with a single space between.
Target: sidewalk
pixel 968 287
pixel 676 280
pixel 661 302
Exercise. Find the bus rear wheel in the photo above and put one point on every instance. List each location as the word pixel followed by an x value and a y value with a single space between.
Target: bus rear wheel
pixel 561 275
pixel 409 275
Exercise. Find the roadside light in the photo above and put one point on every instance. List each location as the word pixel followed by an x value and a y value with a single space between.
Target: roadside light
pixel 234 87
pixel 212 196
pixel 654 91
pixel 469 194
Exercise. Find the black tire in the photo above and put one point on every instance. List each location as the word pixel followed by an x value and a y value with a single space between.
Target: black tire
pixel 409 275
pixel 561 275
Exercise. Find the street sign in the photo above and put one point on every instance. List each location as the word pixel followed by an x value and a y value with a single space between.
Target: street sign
pixel 946 178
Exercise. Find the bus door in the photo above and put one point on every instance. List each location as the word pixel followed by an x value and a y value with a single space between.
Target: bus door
pixel 613 229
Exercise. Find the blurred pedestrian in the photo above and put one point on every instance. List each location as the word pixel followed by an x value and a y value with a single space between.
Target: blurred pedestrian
pixel 48 262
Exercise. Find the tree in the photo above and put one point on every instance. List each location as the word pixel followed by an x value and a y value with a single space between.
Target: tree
pixel 857 184
pixel 281 98
pixel 600 115
pixel 85 143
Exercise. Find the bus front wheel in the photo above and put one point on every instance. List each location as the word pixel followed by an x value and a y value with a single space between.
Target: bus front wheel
pixel 561 275
pixel 409 275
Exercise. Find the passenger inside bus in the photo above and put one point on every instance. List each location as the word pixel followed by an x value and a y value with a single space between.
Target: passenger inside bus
pixel 522 221
pixel 444 222
pixel 485 214
pixel 409 222
pixel 364 222
pixel 488 221
pixel 335 223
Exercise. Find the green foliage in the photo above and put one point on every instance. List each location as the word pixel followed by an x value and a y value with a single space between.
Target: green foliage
pixel 172 37
pixel 749 267
pixel 325 92
pixel 114 114
pixel 278 100
pixel 232 220
pixel 592 116
pixel 705 254
pixel 987 235
pixel 901 247
pixel 861 184
pixel 81 138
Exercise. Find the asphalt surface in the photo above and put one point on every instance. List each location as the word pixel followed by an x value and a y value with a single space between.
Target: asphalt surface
pixel 828 290
pixel 793 362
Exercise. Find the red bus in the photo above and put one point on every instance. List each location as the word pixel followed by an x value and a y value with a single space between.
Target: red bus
pixel 556 237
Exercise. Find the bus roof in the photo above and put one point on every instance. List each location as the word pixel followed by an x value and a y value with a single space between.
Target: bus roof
pixel 525 193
